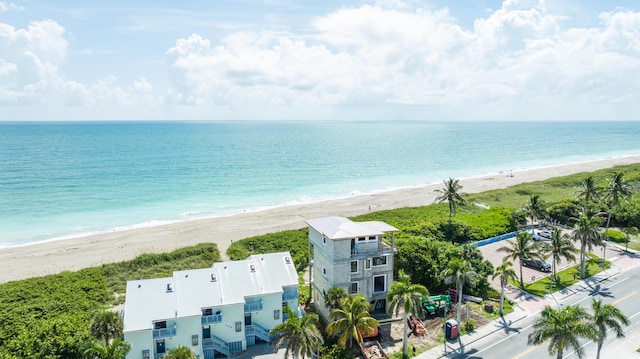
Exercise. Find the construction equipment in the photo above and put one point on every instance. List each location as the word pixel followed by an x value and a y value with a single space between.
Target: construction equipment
pixel 436 304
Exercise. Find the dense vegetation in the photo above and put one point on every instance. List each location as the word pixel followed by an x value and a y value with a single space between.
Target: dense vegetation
pixel 48 317
pixel 295 242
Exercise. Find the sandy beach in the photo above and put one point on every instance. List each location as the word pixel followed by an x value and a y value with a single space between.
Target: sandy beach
pixel 72 254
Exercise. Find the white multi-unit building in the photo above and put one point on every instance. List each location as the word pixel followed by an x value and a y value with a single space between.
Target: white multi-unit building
pixel 221 309
pixel 351 255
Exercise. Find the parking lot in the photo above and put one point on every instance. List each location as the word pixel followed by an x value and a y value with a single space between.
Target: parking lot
pixel 491 253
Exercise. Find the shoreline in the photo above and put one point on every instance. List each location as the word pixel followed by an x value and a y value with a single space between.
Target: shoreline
pixel 54 256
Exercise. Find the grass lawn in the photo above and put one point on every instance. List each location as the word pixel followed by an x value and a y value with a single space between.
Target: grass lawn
pixel 566 277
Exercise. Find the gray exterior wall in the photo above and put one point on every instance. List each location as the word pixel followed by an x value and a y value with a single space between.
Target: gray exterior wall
pixel 332 261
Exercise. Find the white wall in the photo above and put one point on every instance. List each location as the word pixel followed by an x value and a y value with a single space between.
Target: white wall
pixel 139 340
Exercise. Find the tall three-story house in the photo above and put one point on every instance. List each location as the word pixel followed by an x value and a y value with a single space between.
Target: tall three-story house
pixel 217 310
pixel 351 255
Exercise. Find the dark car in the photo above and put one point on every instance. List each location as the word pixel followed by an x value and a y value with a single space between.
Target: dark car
pixel 538 264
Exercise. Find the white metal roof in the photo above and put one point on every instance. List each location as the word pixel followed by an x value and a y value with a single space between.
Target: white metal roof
pixel 148 301
pixel 344 228
pixel 276 271
pixel 193 290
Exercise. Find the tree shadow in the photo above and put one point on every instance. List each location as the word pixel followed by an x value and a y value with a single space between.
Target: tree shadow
pixel 506 326
pixel 598 290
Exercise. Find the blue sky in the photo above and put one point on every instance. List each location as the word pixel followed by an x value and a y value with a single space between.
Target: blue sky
pixel 327 60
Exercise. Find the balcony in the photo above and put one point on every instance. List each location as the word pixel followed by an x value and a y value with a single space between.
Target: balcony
pixel 211 319
pixel 290 295
pixel 164 332
pixel 365 250
pixel 253 306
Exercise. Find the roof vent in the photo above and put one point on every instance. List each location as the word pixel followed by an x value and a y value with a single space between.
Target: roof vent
pixel 213 277
pixel 253 267
pixel 287 260
pixel 169 287
pixel 186 276
pixel 139 285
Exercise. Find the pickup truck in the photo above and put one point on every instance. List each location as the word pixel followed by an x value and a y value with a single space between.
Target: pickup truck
pixel 538 264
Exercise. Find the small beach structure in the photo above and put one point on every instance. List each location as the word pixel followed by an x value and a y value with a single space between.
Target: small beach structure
pixel 357 256
pixel 217 310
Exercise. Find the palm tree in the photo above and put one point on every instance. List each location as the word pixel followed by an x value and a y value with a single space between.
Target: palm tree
pixel 562 328
pixel 301 335
pixel 629 231
pixel 560 246
pixel 504 272
pixel 451 193
pixel 106 325
pixel 406 296
pixel 587 191
pixel 334 296
pixel 534 209
pixel 523 247
pixel 116 350
pixel 459 272
pixel 586 231
pixel 351 319
pixel 607 316
pixel 617 189
pixel 180 352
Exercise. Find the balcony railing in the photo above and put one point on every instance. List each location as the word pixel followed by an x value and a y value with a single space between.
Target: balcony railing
pixel 164 332
pixel 258 331
pixel 253 307
pixel 211 319
pixel 286 296
pixel 369 250
pixel 217 344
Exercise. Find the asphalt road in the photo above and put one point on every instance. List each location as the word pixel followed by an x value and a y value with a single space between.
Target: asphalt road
pixel 622 290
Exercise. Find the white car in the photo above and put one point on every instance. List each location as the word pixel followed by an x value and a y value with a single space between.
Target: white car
pixel 545 233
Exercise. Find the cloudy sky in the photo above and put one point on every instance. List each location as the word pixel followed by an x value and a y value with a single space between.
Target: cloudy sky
pixel 328 60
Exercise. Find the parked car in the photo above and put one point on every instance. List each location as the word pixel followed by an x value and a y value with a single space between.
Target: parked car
pixel 545 233
pixel 538 264
pixel 537 238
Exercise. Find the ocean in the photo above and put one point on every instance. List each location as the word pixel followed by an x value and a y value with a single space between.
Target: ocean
pixel 66 179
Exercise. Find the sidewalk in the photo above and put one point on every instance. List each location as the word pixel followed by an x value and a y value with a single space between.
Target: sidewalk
pixel 500 324
pixel 530 305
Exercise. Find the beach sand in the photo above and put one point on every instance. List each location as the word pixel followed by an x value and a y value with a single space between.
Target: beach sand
pixel 73 254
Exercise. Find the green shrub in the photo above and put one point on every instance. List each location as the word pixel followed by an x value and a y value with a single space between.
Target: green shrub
pixel 469 325
pixel 493 293
pixel 294 241
pixel 616 236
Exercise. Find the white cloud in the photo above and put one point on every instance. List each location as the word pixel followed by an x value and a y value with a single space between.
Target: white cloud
pixel 519 60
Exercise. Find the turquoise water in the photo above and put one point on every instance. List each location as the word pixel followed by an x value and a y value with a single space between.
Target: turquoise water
pixel 66 179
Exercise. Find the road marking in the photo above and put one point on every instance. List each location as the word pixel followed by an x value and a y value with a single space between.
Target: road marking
pixel 521 354
pixel 624 298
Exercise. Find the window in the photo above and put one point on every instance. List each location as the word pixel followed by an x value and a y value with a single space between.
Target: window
pixel 145 354
pixel 324 240
pixel 353 288
pixel 354 266
pixel 379 284
pixel 324 271
pixel 194 340
pixel 276 314
pixel 367 264
pixel 373 238
pixel 160 325
pixel 207 311
pixel 380 261
pixel 361 239
pixel 238 326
